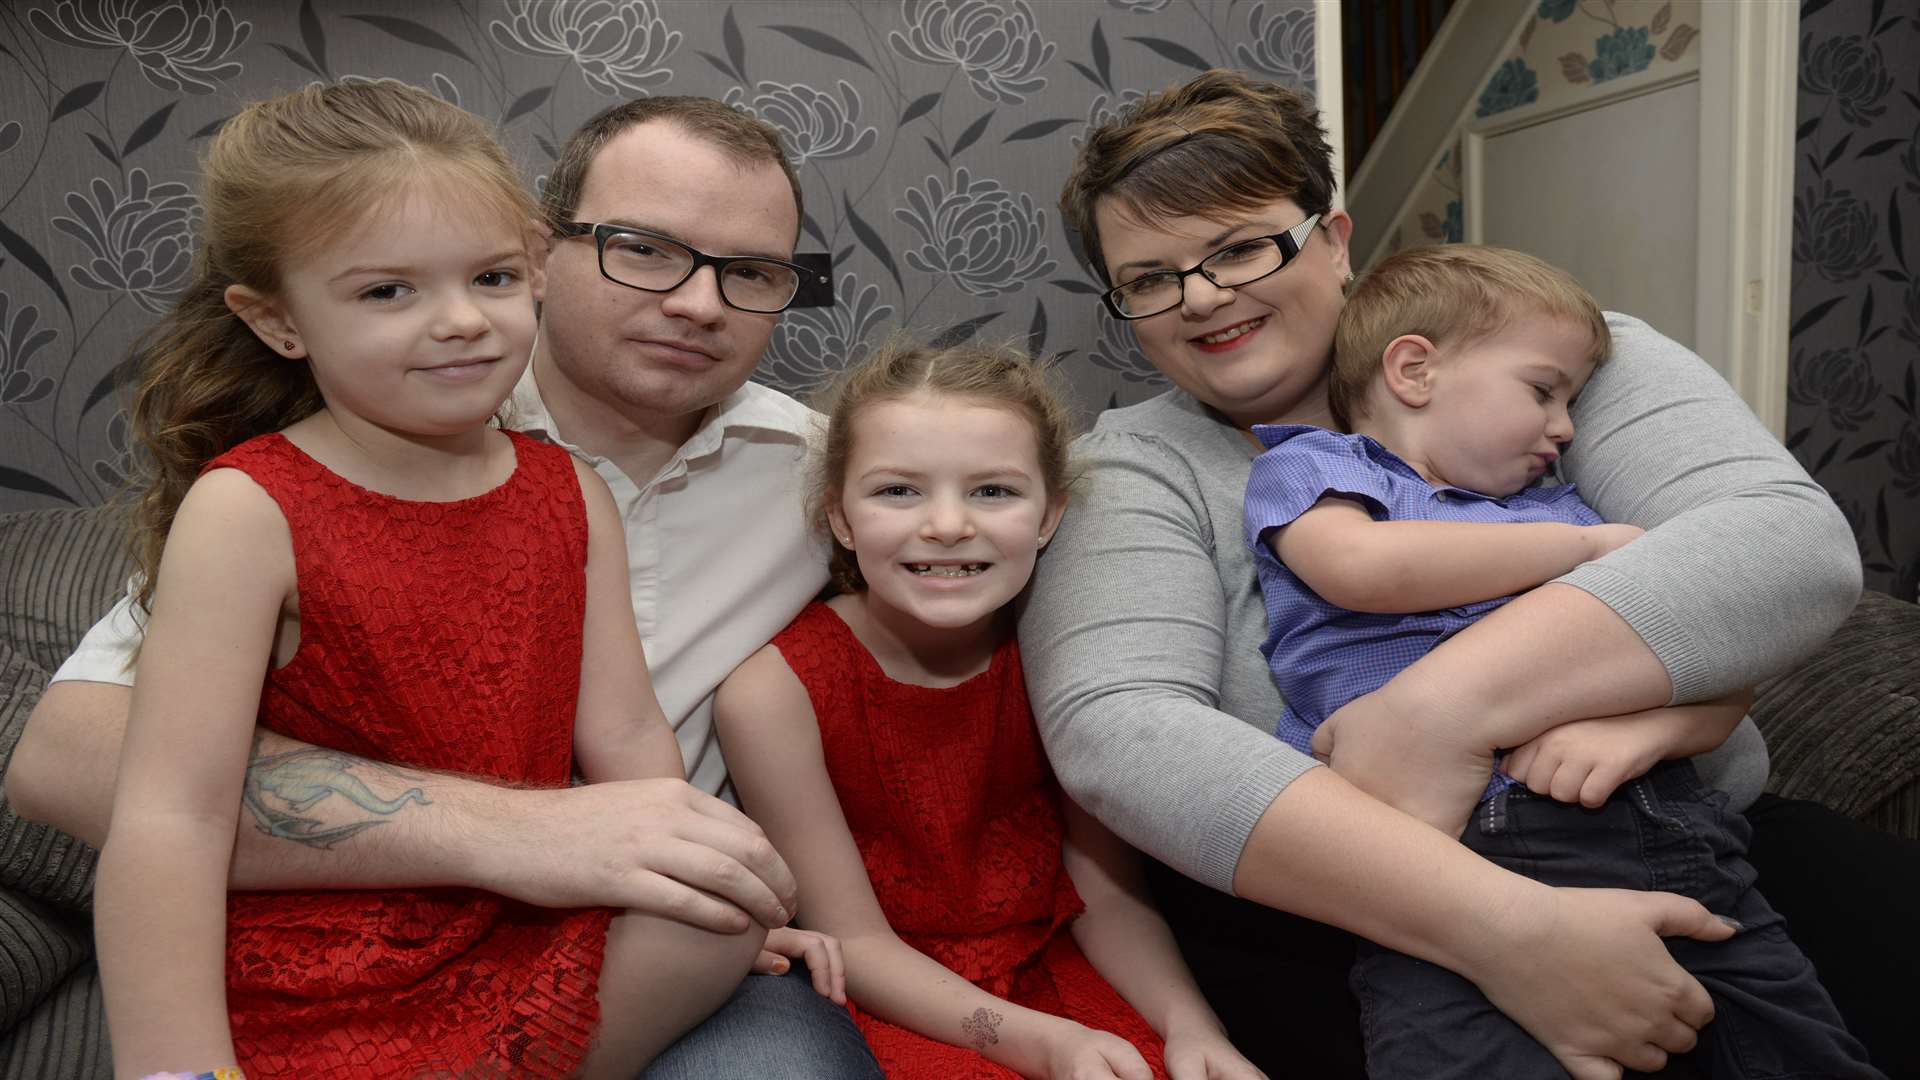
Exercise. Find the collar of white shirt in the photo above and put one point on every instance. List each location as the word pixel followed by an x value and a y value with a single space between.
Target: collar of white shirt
pixel 752 407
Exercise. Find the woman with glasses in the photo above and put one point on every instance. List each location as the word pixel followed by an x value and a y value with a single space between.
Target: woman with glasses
pixel 1208 209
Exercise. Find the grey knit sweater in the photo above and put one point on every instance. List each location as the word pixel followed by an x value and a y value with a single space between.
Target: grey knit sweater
pixel 1141 635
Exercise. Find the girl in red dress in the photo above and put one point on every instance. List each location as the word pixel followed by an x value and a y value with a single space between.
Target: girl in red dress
pixel 989 927
pixel 353 557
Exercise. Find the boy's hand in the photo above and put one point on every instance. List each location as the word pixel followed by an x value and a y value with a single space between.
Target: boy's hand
pixel 1398 756
pixel 820 951
pixel 1602 539
pixel 1584 761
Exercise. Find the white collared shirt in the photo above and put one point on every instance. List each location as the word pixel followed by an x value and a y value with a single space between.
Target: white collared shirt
pixel 719 552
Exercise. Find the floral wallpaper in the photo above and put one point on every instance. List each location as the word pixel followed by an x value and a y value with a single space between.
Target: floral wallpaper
pixel 931 137
pixel 1564 50
pixel 1851 401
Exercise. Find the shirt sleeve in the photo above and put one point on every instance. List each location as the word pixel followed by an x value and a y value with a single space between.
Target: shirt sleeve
pixel 1747 565
pixel 1301 466
pixel 1124 639
pixel 107 653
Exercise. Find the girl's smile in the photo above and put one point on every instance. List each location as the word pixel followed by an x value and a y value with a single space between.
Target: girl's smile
pixel 944 506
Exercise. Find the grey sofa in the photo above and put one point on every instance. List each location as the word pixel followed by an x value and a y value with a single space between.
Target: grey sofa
pixel 1844 729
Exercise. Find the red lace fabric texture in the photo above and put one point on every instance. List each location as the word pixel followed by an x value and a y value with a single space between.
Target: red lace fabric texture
pixel 957 816
pixel 434 635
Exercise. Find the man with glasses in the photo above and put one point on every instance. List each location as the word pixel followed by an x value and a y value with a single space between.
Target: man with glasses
pixel 646 344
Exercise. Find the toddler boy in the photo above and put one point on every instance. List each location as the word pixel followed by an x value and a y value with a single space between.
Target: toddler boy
pixel 1455 368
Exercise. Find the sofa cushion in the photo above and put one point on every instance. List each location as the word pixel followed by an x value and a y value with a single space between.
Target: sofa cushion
pixel 35 859
pixel 60 570
pixel 39 947
pixel 1843 728
pixel 64 1037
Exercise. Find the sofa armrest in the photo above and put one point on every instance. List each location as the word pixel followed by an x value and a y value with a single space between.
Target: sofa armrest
pixel 60 570
pixel 35 859
pixel 1843 728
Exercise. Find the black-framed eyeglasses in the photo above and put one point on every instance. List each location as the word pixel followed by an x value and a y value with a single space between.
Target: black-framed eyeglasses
pixel 1242 262
pixel 650 262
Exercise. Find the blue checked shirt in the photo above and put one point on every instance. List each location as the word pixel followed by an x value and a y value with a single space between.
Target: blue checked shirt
pixel 1324 656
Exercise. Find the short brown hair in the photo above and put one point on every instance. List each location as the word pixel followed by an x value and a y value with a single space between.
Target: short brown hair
pixel 745 138
pixel 900 368
pixel 1219 143
pixel 1450 294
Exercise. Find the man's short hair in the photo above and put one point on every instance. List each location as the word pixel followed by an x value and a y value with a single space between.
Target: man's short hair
pixel 741 136
pixel 1450 294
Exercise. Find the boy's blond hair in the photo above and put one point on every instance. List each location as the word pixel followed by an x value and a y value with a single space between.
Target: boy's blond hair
pixel 1451 294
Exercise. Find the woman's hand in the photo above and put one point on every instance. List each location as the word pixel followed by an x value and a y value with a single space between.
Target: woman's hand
pixel 1203 1053
pixel 1585 973
pixel 1078 1052
pixel 820 951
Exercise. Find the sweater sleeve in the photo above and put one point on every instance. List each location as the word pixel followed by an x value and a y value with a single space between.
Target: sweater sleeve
pixel 1124 636
pixel 1747 565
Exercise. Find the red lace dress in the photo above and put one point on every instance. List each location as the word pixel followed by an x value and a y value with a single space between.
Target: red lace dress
pixel 430 635
pixel 957 817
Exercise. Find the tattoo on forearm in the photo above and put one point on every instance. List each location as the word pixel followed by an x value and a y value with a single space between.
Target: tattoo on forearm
pixel 280 788
pixel 982 1028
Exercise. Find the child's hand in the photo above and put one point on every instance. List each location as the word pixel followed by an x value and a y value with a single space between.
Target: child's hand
pixel 1401 757
pixel 820 951
pixel 1078 1052
pixel 1206 1055
pixel 1605 538
pixel 1583 761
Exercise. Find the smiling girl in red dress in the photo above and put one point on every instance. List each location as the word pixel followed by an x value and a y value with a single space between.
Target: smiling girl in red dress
pixel 989 926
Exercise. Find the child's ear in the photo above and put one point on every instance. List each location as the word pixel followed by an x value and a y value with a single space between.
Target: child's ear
pixel 837 521
pixel 267 319
pixel 1407 368
pixel 539 245
pixel 1056 507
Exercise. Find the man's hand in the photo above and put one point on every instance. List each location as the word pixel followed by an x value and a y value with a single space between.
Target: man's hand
pixel 1391 753
pixel 660 846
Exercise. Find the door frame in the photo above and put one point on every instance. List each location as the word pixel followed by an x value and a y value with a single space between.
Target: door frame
pixel 1748 74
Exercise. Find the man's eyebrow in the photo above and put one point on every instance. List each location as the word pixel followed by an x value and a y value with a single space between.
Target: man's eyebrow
pixel 629 223
pixel 1213 241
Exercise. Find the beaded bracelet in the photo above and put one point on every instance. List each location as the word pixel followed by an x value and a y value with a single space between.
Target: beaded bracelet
pixel 216 1074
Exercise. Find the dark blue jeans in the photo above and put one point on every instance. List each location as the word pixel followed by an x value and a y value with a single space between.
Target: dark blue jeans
pixel 775 1027
pixel 1666 832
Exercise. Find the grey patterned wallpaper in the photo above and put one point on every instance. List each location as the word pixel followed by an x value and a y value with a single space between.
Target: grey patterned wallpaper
pixel 1851 409
pixel 932 137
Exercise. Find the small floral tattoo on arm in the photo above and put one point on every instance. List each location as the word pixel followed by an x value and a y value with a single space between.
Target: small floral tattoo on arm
pixel 982 1028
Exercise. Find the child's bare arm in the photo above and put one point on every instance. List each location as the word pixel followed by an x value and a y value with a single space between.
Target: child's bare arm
pixel 1585 760
pixel 1400 567
pixel 1127 941
pixel 619 731
pixel 160 911
pixel 772 741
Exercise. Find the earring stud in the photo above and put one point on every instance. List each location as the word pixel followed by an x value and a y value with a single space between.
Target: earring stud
pixel 287 345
